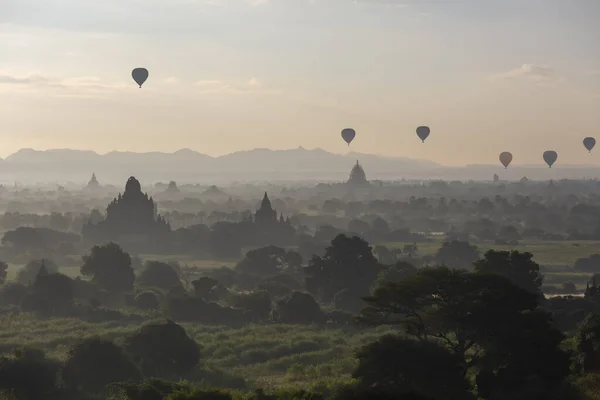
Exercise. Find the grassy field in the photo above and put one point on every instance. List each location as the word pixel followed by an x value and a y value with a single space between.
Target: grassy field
pixel 265 355
pixel 548 254
pixel 190 261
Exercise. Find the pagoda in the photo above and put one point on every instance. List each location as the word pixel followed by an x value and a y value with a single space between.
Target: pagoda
pixel 358 176
pixel 130 217
pixel 265 215
pixel 269 228
pixel 592 292
pixel 93 183
pixel 172 189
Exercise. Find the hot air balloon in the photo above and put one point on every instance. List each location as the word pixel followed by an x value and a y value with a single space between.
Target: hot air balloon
pixel 550 157
pixel 348 135
pixel 423 132
pixel 589 143
pixel 140 75
pixel 506 158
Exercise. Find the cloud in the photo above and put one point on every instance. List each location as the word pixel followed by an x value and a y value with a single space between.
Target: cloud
pixel 208 83
pixel 93 86
pixel 530 72
pixel 251 86
pixel 35 83
pixel 8 78
pixel 255 3
pixel 387 3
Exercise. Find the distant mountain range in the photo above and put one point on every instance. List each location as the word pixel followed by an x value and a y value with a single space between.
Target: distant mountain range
pixel 188 166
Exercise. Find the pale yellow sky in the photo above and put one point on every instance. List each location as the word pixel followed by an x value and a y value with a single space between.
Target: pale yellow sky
pixel 233 75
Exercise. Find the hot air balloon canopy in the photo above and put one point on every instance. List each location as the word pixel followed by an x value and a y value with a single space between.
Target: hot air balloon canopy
pixel 550 157
pixel 589 143
pixel 348 135
pixel 139 75
pixel 506 158
pixel 423 132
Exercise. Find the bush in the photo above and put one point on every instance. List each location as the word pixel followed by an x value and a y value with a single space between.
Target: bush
pixel 163 350
pixel 12 293
pixel 257 302
pixel 346 300
pixel 50 295
pixel 159 275
pixel 146 301
pixel 589 264
pixel 28 375
pixel 298 308
pixel 94 363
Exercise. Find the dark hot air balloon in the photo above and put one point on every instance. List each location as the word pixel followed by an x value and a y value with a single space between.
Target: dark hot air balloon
pixel 423 132
pixel 348 135
pixel 589 143
pixel 140 75
pixel 506 158
pixel 550 157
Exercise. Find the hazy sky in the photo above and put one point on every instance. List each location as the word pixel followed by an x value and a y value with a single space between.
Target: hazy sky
pixel 228 75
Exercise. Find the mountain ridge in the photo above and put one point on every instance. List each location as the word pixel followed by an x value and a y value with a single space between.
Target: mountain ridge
pixel 32 155
pixel 259 164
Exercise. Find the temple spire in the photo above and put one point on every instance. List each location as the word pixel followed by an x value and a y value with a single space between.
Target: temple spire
pixel 93 183
pixel 266 214
pixel 266 203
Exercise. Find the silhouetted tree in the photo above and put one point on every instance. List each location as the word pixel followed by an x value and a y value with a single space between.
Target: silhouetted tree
pixel 518 267
pixel 347 301
pixel 348 263
pixel 524 361
pixel 203 285
pixel 28 239
pixel 267 261
pixel 3 272
pixel 399 366
pixel 589 264
pixel 588 344
pixel 110 267
pixel 395 273
pixel 455 307
pixel 448 304
pixel 457 254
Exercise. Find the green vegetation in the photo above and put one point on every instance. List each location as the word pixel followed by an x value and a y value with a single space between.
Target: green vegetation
pixel 546 253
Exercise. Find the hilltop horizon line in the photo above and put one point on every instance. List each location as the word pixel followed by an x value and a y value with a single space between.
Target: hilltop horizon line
pixel 183 151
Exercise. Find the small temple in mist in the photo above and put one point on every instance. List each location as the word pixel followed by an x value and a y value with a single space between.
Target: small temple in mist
pixel 357 176
pixel 268 227
pixel 131 219
pixel 172 188
pixel 265 215
pixel 93 183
